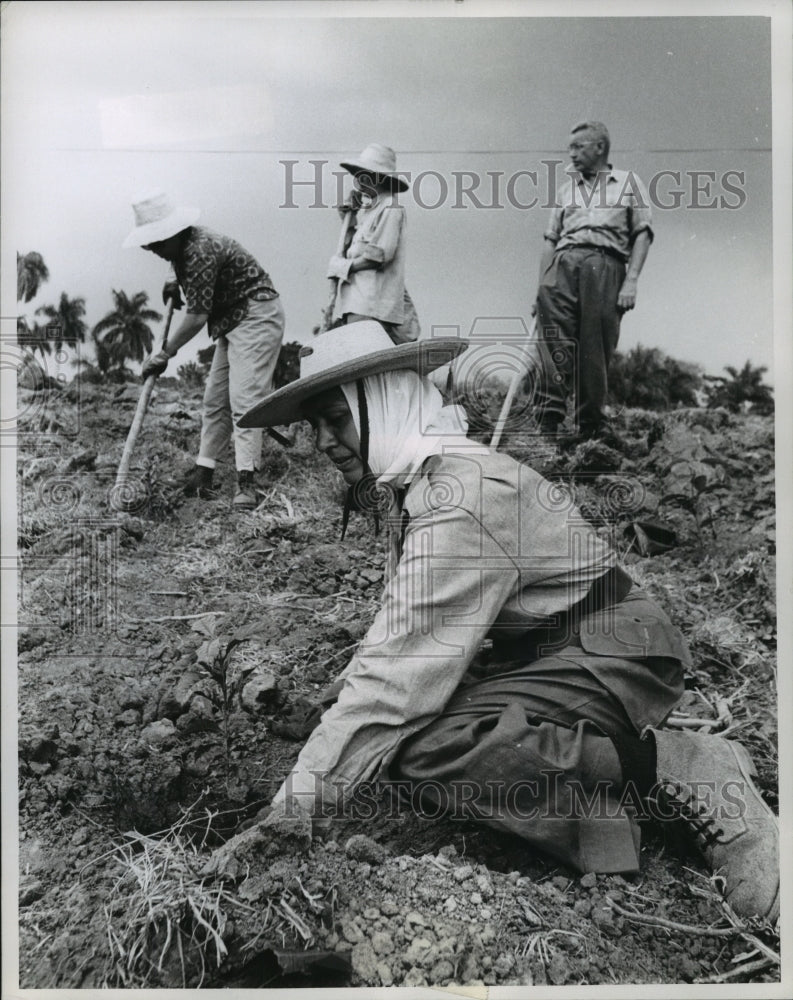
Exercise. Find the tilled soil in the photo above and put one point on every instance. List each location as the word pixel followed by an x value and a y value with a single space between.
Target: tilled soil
pixel 142 730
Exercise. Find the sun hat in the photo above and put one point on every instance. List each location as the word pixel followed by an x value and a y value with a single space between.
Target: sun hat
pixel 379 160
pixel 345 355
pixel 157 218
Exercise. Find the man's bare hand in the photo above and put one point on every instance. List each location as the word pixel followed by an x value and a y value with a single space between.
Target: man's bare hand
pixel 627 297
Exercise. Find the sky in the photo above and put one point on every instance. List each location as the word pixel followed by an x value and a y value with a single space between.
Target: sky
pixel 103 102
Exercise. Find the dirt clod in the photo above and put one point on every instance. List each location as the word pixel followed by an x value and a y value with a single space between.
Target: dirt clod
pixel 363 848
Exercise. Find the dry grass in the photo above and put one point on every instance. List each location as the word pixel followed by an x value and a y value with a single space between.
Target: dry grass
pixel 163 917
pixel 167 924
pixel 540 946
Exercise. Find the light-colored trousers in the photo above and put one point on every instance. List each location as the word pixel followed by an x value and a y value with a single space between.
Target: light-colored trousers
pixel 240 377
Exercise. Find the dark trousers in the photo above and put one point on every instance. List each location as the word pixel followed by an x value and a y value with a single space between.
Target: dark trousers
pixel 531 749
pixel 578 324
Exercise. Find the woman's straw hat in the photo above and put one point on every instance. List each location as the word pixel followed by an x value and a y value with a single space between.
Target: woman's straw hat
pixel 378 160
pixel 345 355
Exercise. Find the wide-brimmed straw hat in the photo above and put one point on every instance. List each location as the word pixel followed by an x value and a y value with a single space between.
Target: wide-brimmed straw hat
pixel 157 218
pixel 345 355
pixel 379 160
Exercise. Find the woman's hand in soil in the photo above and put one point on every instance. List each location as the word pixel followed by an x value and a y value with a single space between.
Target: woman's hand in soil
pixel 285 829
pixel 289 820
pixel 298 719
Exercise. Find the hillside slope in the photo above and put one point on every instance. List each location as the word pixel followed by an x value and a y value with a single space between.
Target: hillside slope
pixel 142 746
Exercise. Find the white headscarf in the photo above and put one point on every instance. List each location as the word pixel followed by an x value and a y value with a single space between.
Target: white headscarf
pixel 407 423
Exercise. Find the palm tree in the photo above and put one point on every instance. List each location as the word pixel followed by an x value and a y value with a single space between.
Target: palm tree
pixel 744 386
pixel 97 370
pixel 104 359
pixel 124 334
pixel 33 338
pixel 65 324
pixel 31 273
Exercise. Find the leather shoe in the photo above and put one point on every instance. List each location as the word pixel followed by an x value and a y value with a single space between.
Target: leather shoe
pixel 245 497
pixel 707 782
pixel 198 483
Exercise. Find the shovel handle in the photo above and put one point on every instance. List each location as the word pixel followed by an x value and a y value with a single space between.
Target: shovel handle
pixel 140 413
pixel 513 388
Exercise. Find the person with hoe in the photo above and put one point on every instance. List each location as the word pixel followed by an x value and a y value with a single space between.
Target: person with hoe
pixel 227 290
pixel 369 265
pixel 596 243
pixel 557 735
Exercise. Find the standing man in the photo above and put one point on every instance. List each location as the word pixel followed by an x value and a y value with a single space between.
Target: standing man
pixel 370 269
pixel 228 290
pixel 595 247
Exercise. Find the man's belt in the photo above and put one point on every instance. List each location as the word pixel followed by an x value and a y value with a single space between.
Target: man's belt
pixel 596 248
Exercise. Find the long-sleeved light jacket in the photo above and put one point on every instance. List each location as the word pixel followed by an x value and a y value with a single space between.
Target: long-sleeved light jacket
pixel 491 549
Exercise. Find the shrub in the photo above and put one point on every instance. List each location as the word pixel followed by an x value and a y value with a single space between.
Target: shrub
pixel 205 356
pixel 287 368
pixel 647 378
pixel 191 375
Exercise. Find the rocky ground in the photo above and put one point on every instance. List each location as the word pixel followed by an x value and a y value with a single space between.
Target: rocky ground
pixel 158 646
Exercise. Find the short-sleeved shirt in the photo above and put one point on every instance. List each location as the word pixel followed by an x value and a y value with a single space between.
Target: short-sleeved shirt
pixel 609 211
pixel 220 277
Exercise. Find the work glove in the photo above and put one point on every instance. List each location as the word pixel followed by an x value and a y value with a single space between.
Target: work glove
pixel 170 290
pixel 156 365
pixel 339 267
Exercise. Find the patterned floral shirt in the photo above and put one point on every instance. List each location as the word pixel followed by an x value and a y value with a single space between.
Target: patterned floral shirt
pixel 219 277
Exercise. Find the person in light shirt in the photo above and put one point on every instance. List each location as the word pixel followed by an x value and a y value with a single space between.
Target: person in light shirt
pixel 370 270
pixel 596 243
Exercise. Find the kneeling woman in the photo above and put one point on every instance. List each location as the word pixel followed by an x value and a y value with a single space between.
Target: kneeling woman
pixel 559 740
